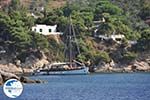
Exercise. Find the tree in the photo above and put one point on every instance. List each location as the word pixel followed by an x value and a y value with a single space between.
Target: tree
pixel 105 6
pixel 145 12
pixel 4 26
pixel 14 5
pixel 144 41
pixel 39 41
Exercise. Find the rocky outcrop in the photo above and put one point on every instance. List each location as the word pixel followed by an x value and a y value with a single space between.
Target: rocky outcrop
pixel 141 66
pixel 27 80
pixel 128 68
pixel 136 66
pixel 11 68
pixel 34 62
pixel 4 76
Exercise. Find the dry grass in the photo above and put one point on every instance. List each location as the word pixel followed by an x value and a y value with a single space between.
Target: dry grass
pixel 56 4
pixel 52 4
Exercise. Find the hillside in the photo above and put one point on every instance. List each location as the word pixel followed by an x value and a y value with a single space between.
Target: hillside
pixel 20 43
pixel 51 4
pixel 30 4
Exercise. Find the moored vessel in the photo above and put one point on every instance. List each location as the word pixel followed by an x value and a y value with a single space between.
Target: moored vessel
pixel 71 65
pixel 63 69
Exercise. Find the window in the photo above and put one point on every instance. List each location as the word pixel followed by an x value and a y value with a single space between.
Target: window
pixel 40 30
pixel 50 30
pixel 118 39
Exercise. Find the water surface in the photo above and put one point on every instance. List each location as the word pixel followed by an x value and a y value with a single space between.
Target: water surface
pixel 88 87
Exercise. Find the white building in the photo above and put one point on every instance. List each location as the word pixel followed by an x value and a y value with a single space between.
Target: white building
pixel 117 37
pixel 113 37
pixel 46 29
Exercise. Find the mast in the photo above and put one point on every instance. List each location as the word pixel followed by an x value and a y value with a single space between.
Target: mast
pixel 70 40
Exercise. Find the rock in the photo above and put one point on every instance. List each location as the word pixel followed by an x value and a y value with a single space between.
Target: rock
pixel 110 68
pixel 7 75
pixel 17 62
pixel 11 68
pixel 27 80
pixel 1 80
pixel 41 63
pixel 128 68
pixel 117 70
pixel 35 63
pixel 28 70
pixel 4 76
pixel 141 66
pixel 113 64
pixel 29 62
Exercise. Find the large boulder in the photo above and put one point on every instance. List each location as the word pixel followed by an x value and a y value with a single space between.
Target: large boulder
pixel 6 75
pixel 10 68
pixel 140 66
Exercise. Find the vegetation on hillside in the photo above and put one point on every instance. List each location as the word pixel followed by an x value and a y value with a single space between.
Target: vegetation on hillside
pixel 121 17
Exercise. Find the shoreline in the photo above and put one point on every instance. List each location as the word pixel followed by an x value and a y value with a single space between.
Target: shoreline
pixel 104 72
pixel 26 78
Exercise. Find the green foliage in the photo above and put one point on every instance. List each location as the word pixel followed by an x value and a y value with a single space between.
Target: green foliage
pixel 56 50
pixel 144 41
pixel 129 56
pixel 14 30
pixel 105 6
pixel 121 17
pixel 115 20
pixel 106 28
pixel 4 26
pixel 39 41
pixel 16 26
pixel 101 56
pixel 95 57
pixel 88 52
pixel 15 5
pixel 145 12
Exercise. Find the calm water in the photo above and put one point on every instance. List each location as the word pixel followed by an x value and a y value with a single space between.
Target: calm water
pixel 88 87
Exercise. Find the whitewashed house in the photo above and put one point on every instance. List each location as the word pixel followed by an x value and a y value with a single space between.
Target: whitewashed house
pixel 113 37
pixel 46 29
pixel 117 37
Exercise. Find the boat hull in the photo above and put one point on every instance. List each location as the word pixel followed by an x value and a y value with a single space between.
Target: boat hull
pixel 83 71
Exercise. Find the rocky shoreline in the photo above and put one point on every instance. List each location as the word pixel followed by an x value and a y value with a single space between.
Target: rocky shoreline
pixel 136 66
pixel 12 71
pixel 18 70
pixel 4 76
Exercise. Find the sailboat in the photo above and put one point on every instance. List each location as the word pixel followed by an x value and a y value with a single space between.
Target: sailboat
pixel 71 66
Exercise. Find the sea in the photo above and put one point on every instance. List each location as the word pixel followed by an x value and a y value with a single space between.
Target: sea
pixel 114 86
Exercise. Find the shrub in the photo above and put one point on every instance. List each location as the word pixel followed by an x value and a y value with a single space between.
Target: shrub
pixel 129 56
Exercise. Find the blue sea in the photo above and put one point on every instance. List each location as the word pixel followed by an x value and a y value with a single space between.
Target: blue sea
pixel 130 86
